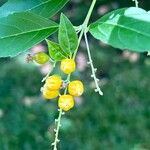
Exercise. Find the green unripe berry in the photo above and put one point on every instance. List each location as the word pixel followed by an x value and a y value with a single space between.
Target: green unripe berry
pixel 41 58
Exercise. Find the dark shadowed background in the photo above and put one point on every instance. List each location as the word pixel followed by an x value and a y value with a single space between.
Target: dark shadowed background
pixel 120 120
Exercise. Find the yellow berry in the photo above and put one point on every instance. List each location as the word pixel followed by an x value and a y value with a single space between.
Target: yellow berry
pixel 48 94
pixel 53 82
pixel 41 58
pixel 76 88
pixel 68 66
pixel 66 102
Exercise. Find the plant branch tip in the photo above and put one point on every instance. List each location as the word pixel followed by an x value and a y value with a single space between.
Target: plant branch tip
pixel 92 76
pixel 95 70
pixel 43 79
pixel 55 130
pixel 53 144
pixel 56 120
pixel 97 80
pixel 101 93
pixel 89 62
pixel 41 90
pixel 63 113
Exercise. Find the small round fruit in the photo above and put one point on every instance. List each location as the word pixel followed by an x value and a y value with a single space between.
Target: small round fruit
pixel 53 82
pixel 68 66
pixel 41 58
pixel 47 94
pixel 76 88
pixel 66 102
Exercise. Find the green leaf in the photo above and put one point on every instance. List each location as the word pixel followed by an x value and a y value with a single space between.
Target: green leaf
pixel 55 51
pixel 20 31
pixel 127 28
pixel 45 8
pixel 68 38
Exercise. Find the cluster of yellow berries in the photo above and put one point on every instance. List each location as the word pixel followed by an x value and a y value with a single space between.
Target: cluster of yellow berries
pixel 53 84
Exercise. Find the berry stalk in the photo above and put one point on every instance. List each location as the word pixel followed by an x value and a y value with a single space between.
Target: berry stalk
pixel 58 121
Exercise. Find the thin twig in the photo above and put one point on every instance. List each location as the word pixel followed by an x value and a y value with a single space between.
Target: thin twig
pixel 58 121
pixel 136 3
pixel 84 26
pixel 83 29
pixel 92 66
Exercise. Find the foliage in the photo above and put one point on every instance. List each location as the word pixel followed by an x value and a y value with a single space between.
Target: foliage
pixel 129 26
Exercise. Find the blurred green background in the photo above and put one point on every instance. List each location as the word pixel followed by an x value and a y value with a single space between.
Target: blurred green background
pixel 120 120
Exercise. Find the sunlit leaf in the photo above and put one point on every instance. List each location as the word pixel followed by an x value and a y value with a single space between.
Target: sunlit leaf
pixel 20 31
pixel 45 8
pixel 68 38
pixel 55 51
pixel 127 28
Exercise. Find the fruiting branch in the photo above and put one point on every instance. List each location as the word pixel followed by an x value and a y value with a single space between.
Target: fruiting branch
pixel 83 29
